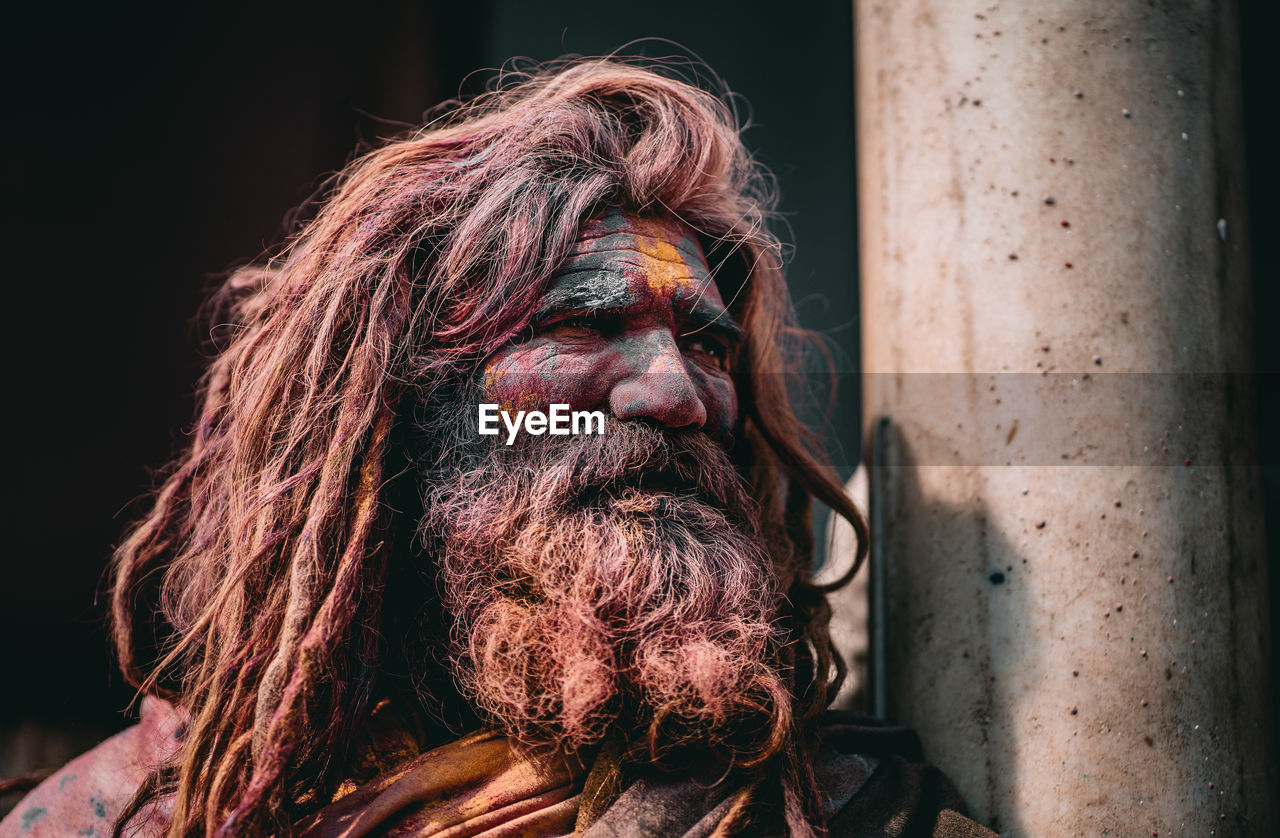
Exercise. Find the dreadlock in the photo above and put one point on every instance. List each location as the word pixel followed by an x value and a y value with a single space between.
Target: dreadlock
pixel 252 593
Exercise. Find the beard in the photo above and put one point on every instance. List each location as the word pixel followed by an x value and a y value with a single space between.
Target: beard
pixel 608 585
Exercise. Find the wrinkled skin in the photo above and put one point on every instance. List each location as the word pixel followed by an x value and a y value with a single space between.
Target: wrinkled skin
pixel 633 325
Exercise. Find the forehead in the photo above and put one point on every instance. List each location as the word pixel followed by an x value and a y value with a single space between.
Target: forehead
pixel 620 254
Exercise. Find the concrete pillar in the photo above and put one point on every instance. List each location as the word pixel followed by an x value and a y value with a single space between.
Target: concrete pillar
pixel 1054 308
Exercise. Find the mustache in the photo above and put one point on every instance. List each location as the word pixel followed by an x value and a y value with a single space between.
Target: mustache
pixel 631 457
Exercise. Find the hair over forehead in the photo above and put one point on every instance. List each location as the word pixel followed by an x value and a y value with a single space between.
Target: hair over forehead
pixel 476 209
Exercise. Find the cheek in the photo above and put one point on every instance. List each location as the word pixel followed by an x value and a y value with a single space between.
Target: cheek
pixel 720 398
pixel 537 374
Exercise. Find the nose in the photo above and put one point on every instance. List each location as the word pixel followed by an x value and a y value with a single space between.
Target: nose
pixel 658 387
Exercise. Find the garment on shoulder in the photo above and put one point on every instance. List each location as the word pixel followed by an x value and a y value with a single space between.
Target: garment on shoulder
pixel 872 778
pixel 86 795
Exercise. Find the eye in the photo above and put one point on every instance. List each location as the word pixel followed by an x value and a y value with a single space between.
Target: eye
pixel 711 348
pixel 578 327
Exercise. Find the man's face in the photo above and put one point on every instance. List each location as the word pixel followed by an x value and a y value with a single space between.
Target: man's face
pixel 632 325
pixel 619 576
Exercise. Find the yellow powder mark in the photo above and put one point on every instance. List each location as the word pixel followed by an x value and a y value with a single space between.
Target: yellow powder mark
pixel 493 376
pixel 528 400
pixel 665 267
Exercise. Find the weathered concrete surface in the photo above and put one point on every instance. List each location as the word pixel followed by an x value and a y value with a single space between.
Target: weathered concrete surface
pixel 850 605
pixel 1054 310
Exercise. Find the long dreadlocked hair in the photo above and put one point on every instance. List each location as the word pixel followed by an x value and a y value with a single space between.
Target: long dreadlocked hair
pixel 252 593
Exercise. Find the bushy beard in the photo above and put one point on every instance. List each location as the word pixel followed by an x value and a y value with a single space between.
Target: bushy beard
pixel 615 583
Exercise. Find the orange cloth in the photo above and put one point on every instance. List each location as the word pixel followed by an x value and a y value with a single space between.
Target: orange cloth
pixel 476 787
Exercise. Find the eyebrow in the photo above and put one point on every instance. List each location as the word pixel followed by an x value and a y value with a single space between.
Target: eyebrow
pixel 588 298
pixel 583 297
pixel 711 320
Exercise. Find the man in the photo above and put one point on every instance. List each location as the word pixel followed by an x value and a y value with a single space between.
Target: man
pixel 354 612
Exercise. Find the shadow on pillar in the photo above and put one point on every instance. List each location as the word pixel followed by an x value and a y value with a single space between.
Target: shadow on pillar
pixel 955 596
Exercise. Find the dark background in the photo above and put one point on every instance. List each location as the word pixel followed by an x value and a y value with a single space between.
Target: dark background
pixel 145 154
